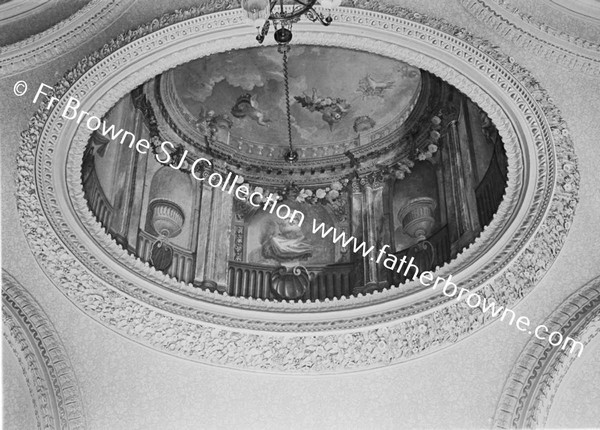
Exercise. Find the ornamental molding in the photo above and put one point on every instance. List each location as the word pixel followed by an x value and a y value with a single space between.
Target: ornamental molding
pixel 21 9
pixel 46 46
pixel 569 6
pixel 34 341
pixel 368 331
pixel 538 372
pixel 526 32
pixel 588 10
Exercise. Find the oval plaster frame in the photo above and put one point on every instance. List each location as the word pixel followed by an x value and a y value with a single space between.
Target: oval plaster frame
pixel 372 331
pixel 47 369
pixel 530 389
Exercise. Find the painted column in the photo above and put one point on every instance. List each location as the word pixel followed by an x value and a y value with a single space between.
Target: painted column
pixel 449 191
pixel 128 118
pixel 378 230
pixel 370 236
pixel 214 232
pixel 204 225
pixel 139 165
pixel 369 226
pixel 458 180
pixel 469 163
pixel 357 224
pixel 217 260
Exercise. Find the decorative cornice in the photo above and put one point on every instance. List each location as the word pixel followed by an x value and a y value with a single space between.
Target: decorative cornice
pixel 531 387
pixel 587 10
pixel 154 310
pixel 556 46
pixel 549 30
pixel 80 27
pixel 46 367
pixel 21 9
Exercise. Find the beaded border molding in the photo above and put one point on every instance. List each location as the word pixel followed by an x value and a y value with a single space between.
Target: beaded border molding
pixel 52 384
pixel 523 30
pixel 531 387
pixel 363 332
pixel 64 36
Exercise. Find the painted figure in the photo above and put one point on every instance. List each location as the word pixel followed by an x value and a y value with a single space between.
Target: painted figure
pixel 247 106
pixel 370 87
pixel 285 241
pixel 332 110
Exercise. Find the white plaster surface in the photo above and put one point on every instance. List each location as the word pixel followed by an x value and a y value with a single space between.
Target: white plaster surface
pixel 128 386
pixel 575 17
pixel 578 392
pixel 18 407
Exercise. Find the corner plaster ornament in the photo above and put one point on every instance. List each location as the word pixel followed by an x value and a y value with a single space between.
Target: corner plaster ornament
pixel 46 368
pixel 64 36
pixel 556 46
pixel 575 40
pixel 75 259
pixel 530 389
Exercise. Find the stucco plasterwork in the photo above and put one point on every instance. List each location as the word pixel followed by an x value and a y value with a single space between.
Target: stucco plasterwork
pixel 588 10
pixel 19 9
pixel 64 36
pixel 47 370
pixel 531 387
pixel 523 30
pixel 361 332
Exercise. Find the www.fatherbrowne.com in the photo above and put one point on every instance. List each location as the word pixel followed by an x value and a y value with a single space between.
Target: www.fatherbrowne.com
pixel 242 192
pixel 449 289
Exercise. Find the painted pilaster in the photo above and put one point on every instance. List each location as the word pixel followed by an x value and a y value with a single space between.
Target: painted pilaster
pixel 214 230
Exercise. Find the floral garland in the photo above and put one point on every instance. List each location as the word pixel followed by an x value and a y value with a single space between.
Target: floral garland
pixel 331 193
pixel 305 195
pixel 322 195
pixel 434 137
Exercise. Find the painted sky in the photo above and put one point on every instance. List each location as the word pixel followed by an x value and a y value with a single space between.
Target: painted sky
pixel 372 85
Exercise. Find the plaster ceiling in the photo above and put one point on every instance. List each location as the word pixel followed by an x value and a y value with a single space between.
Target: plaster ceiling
pixel 532 207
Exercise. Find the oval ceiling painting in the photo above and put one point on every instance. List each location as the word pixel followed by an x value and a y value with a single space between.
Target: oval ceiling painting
pixel 329 101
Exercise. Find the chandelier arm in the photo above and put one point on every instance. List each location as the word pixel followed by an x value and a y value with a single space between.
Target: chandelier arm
pixel 294 14
pixel 313 16
pixel 303 4
pixel 260 37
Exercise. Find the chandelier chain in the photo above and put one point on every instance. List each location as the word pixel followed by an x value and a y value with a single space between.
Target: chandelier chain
pixel 287 94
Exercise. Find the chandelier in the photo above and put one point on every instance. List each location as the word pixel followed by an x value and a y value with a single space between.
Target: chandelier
pixel 260 14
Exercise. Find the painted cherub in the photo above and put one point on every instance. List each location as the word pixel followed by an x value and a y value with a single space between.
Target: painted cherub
pixel 332 110
pixel 247 106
